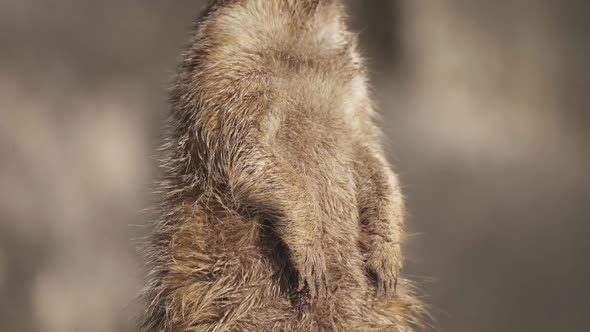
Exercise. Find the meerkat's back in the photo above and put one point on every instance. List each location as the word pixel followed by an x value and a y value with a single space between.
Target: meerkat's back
pixel 278 210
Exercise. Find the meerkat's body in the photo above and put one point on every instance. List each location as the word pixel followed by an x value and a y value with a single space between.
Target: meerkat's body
pixel 279 212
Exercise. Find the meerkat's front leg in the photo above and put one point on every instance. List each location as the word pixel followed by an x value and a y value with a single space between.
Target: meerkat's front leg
pixel 264 185
pixel 382 220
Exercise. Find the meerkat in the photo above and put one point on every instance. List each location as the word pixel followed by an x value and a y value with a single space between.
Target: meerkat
pixel 278 210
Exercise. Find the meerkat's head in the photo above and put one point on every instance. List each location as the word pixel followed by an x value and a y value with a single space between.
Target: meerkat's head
pixel 317 21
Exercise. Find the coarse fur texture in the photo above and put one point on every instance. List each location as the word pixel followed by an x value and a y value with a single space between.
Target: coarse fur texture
pixel 278 210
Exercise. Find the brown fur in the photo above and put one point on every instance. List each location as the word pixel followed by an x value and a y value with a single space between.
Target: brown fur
pixel 279 211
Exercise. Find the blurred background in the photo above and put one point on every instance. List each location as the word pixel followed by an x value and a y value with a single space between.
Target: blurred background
pixel 486 111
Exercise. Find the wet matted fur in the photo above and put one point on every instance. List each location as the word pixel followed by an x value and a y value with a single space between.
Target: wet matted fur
pixel 278 210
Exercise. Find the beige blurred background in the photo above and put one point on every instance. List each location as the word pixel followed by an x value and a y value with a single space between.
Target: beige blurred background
pixel 484 103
